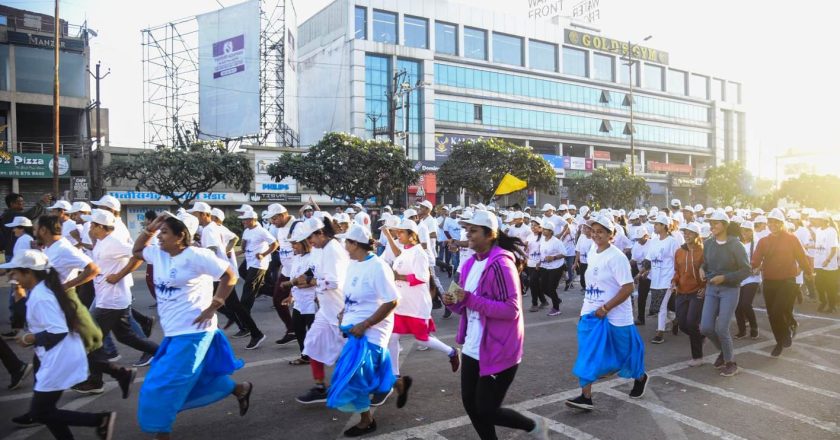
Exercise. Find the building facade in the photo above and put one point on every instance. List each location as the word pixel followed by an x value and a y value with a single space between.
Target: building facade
pixel 440 72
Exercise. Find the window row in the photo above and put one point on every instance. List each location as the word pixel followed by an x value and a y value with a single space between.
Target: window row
pixel 509 84
pixel 494 116
pixel 379 74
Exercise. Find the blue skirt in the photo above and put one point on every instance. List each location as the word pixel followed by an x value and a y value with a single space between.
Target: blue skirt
pixel 604 349
pixel 362 368
pixel 188 371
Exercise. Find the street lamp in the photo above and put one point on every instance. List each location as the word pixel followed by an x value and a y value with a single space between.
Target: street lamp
pixel 630 62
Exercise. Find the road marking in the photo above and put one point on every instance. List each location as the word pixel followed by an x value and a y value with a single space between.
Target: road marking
pixel 829 335
pixel 682 418
pixel 788 382
pixel 798 361
pixel 815 347
pixel 802 315
pixel 825 426
pixel 561 428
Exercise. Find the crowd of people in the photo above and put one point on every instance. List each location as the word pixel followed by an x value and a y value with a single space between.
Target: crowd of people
pixel 348 287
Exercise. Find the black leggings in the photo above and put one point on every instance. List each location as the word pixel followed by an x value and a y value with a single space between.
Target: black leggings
pixel 744 311
pixel 582 269
pixel 236 312
pixel 826 281
pixel 301 324
pixel 549 280
pixel 482 397
pixel 641 302
pixel 537 296
pixel 43 410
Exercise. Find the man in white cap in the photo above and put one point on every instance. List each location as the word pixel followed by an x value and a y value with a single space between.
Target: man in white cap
pixel 426 220
pixel 76 235
pixel 825 262
pixel 257 246
pixel 760 225
pixel 426 242
pixel 452 232
pixel 14 208
pixel 676 211
pixel 61 210
pixel 110 203
pixel 282 222
pixel 362 218
pixel 688 214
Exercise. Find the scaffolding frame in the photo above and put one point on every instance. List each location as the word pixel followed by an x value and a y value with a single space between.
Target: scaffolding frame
pixel 171 84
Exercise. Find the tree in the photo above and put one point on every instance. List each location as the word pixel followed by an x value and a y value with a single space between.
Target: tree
pixel 729 184
pixel 610 188
pixel 346 167
pixel 812 191
pixel 181 173
pixel 478 166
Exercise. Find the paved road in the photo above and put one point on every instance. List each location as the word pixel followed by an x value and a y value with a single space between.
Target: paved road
pixel 794 396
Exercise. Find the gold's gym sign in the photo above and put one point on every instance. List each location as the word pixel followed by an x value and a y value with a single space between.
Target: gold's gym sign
pixel 597 42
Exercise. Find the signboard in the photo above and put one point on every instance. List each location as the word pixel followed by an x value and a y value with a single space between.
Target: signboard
pixel 80 188
pixel 601 155
pixel 588 11
pixel 228 65
pixel 263 182
pixel 597 42
pixel 45 41
pixel 274 197
pixel 33 166
pixel 557 162
pixel 577 163
pixel 668 167
pixel 444 143
pixel 542 9
pixel 687 182
pixel 148 196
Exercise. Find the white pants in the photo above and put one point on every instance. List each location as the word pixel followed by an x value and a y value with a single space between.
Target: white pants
pixel 662 317
pixel 394 349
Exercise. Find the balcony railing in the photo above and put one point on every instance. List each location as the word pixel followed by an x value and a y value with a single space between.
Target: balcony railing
pixel 74 149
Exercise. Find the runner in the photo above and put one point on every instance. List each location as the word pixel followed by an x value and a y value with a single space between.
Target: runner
pixel 282 222
pixel 640 269
pixel 257 246
pixel 192 368
pixel 825 262
pixel 551 266
pixel 302 286
pixel 22 232
pixel 532 268
pixel 690 290
pixel 660 257
pixel 744 312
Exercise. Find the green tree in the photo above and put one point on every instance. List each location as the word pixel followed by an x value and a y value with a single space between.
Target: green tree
pixel 729 184
pixel 346 167
pixel 183 172
pixel 478 166
pixel 610 188
pixel 812 191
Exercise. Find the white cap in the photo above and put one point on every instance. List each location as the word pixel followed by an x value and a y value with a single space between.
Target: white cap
pixel 676 202
pixel 265 215
pixel 518 215
pixel 688 208
pixel 563 208
pixel 79 207
pixel 426 204
pixel 748 225
pixel 705 230
pixel 247 215
pixel 100 217
pixel 547 224
pixel 572 207
pixel 201 207
pixel 737 219
pixel 358 205
pixel 315 224
pixel 357 233
pixel 108 201
pixel 761 219
pixel 349 211
pixel 32 259
pixel 698 208
pixel 640 233
pixel 409 213
pixel 663 219
pixel 20 221
pixel 693 227
pixel 483 218
pixel 709 211
pixel 466 215
pixel 793 215
pixel 407 225
pixel 584 210
pixel 727 209
pixel 548 207
pixel 388 208
pixel 61 204
pixel 218 213
pixel 603 221
pixel 391 222
pixel 719 216
pixel 190 221
pixel 307 208
pixel 302 232
pixel 245 208
pixel 633 216
pixel 818 215
pixel 776 214
pixel 342 218
pixel 276 208
pixel 568 216
pixel 322 215
pixel 758 211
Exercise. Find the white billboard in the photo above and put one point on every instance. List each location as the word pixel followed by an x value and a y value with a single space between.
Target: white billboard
pixel 263 183
pixel 229 71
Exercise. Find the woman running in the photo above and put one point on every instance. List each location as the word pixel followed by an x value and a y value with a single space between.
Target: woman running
pixel 302 283
pixel 491 329
pixel 532 249
pixel 660 257
pixel 689 290
pixel 551 266
pixel 744 311
pixel 53 331
pixel 618 348
pixel 584 243
pixel 193 365
pixel 23 233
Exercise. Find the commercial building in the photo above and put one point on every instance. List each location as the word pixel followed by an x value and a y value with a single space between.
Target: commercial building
pixel 468 73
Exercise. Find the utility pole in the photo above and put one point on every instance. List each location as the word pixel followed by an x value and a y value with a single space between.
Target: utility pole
pixel 56 101
pixel 92 165
pixel 393 95
pixel 373 118
pixel 630 63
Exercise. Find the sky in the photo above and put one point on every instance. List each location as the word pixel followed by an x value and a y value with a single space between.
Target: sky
pixel 783 54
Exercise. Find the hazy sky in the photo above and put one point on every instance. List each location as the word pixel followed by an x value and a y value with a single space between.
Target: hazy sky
pixel 784 55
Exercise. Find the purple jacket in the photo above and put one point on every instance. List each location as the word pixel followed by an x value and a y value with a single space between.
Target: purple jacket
pixel 498 300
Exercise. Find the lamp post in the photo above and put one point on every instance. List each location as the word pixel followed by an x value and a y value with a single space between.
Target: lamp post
pixel 630 63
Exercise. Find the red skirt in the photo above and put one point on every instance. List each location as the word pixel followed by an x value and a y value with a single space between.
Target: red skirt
pixel 409 325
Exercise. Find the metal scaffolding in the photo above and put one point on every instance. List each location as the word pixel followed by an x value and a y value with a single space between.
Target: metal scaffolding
pixel 170 82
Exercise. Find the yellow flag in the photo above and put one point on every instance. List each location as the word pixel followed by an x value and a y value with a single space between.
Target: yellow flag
pixel 509 184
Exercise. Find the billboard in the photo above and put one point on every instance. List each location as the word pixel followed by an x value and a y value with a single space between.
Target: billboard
pixel 33 166
pixel 263 183
pixel 229 71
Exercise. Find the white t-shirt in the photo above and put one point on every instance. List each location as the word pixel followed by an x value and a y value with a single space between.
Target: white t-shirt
pixel 552 247
pixel 211 237
pixel 184 287
pixel 121 231
pixel 521 232
pixel 362 219
pixel 228 235
pixel 826 240
pixel 415 301
pixel 475 330
pixel 370 283
pixel 751 278
pixel 759 235
pixel 67 259
pixel 66 363
pixel 304 296
pixel 257 241
pixel 569 242
pixel 87 240
pixel 69 226
pixel 111 255
pixel 286 252
pixel 423 235
pixel 331 272
pixel 661 255
pixel 532 249
pixel 465 252
pixel 622 242
pixel 606 273
pixel 22 244
pixel 808 242
pixel 452 226
pixel 583 245
pixel 638 252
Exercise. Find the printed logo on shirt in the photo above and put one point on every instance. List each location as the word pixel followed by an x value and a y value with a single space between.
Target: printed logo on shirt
pixel 593 292
pixel 164 291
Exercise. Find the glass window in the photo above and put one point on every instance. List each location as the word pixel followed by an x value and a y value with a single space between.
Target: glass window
pixel 416 32
pixel 574 61
pixel 385 27
pixel 602 66
pixel 625 70
pixel 34 71
pixel 361 23
pixel 653 77
pixel 475 43
pixel 377 86
pixel 413 109
pixel 3 20
pixel 717 89
pixel 733 92
pixel 4 67
pixel 676 82
pixel 507 49
pixel 542 56
pixel 699 87
pixel 446 38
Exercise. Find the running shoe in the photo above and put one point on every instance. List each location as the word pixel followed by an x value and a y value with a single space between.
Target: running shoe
pixel 125 380
pixel 554 312
pixel 740 335
pixel 378 399
pixel 19 376
pixel 145 360
pixel 149 326
pixel 105 430
pixel 581 402
pixel 288 337
pixel 719 362
pixel 10 334
pixel 255 342
pixel 777 350
pixel 695 362
pixel 639 387
pixel 540 430
pixel 25 421
pixel 355 431
pixel 455 360
pixel 87 387
pixel 729 370
pixel 534 309
pixel 658 339
pixel 754 333
pixel 314 395
pixel 114 357
pixel 241 334
pixel 447 313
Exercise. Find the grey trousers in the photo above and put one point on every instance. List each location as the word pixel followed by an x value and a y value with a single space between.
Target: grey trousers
pixel 718 311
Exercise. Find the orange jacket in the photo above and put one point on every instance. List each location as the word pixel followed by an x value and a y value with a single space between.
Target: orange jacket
pixel 687 264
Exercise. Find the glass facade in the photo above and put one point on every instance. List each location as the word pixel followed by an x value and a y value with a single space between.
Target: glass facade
pixel 385 27
pixel 653 77
pixel 34 71
pixel 507 49
pixel 414 108
pixel 602 67
pixel 624 72
pixel 475 43
pixel 503 117
pixel 561 92
pixel 361 23
pixel 542 56
pixel 676 82
pixel 4 67
pixel 416 32
pixel 699 86
pixel 446 38
pixel 574 62
pixel 377 90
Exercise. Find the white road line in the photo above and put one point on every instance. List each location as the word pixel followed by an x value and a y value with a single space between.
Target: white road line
pixel 816 347
pixel 825 426
pixel 682 418
pixel 829 335
pixel 71 406
pixel 801 315
pixel 561 428
pixel 798 361
pixel 790 383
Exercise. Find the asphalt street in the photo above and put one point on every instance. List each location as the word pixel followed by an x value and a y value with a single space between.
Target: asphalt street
pixel 795 396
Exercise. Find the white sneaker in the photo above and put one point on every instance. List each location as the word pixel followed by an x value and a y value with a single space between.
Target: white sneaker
pixel 540 431
pixel 695 362
pixel 422 348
